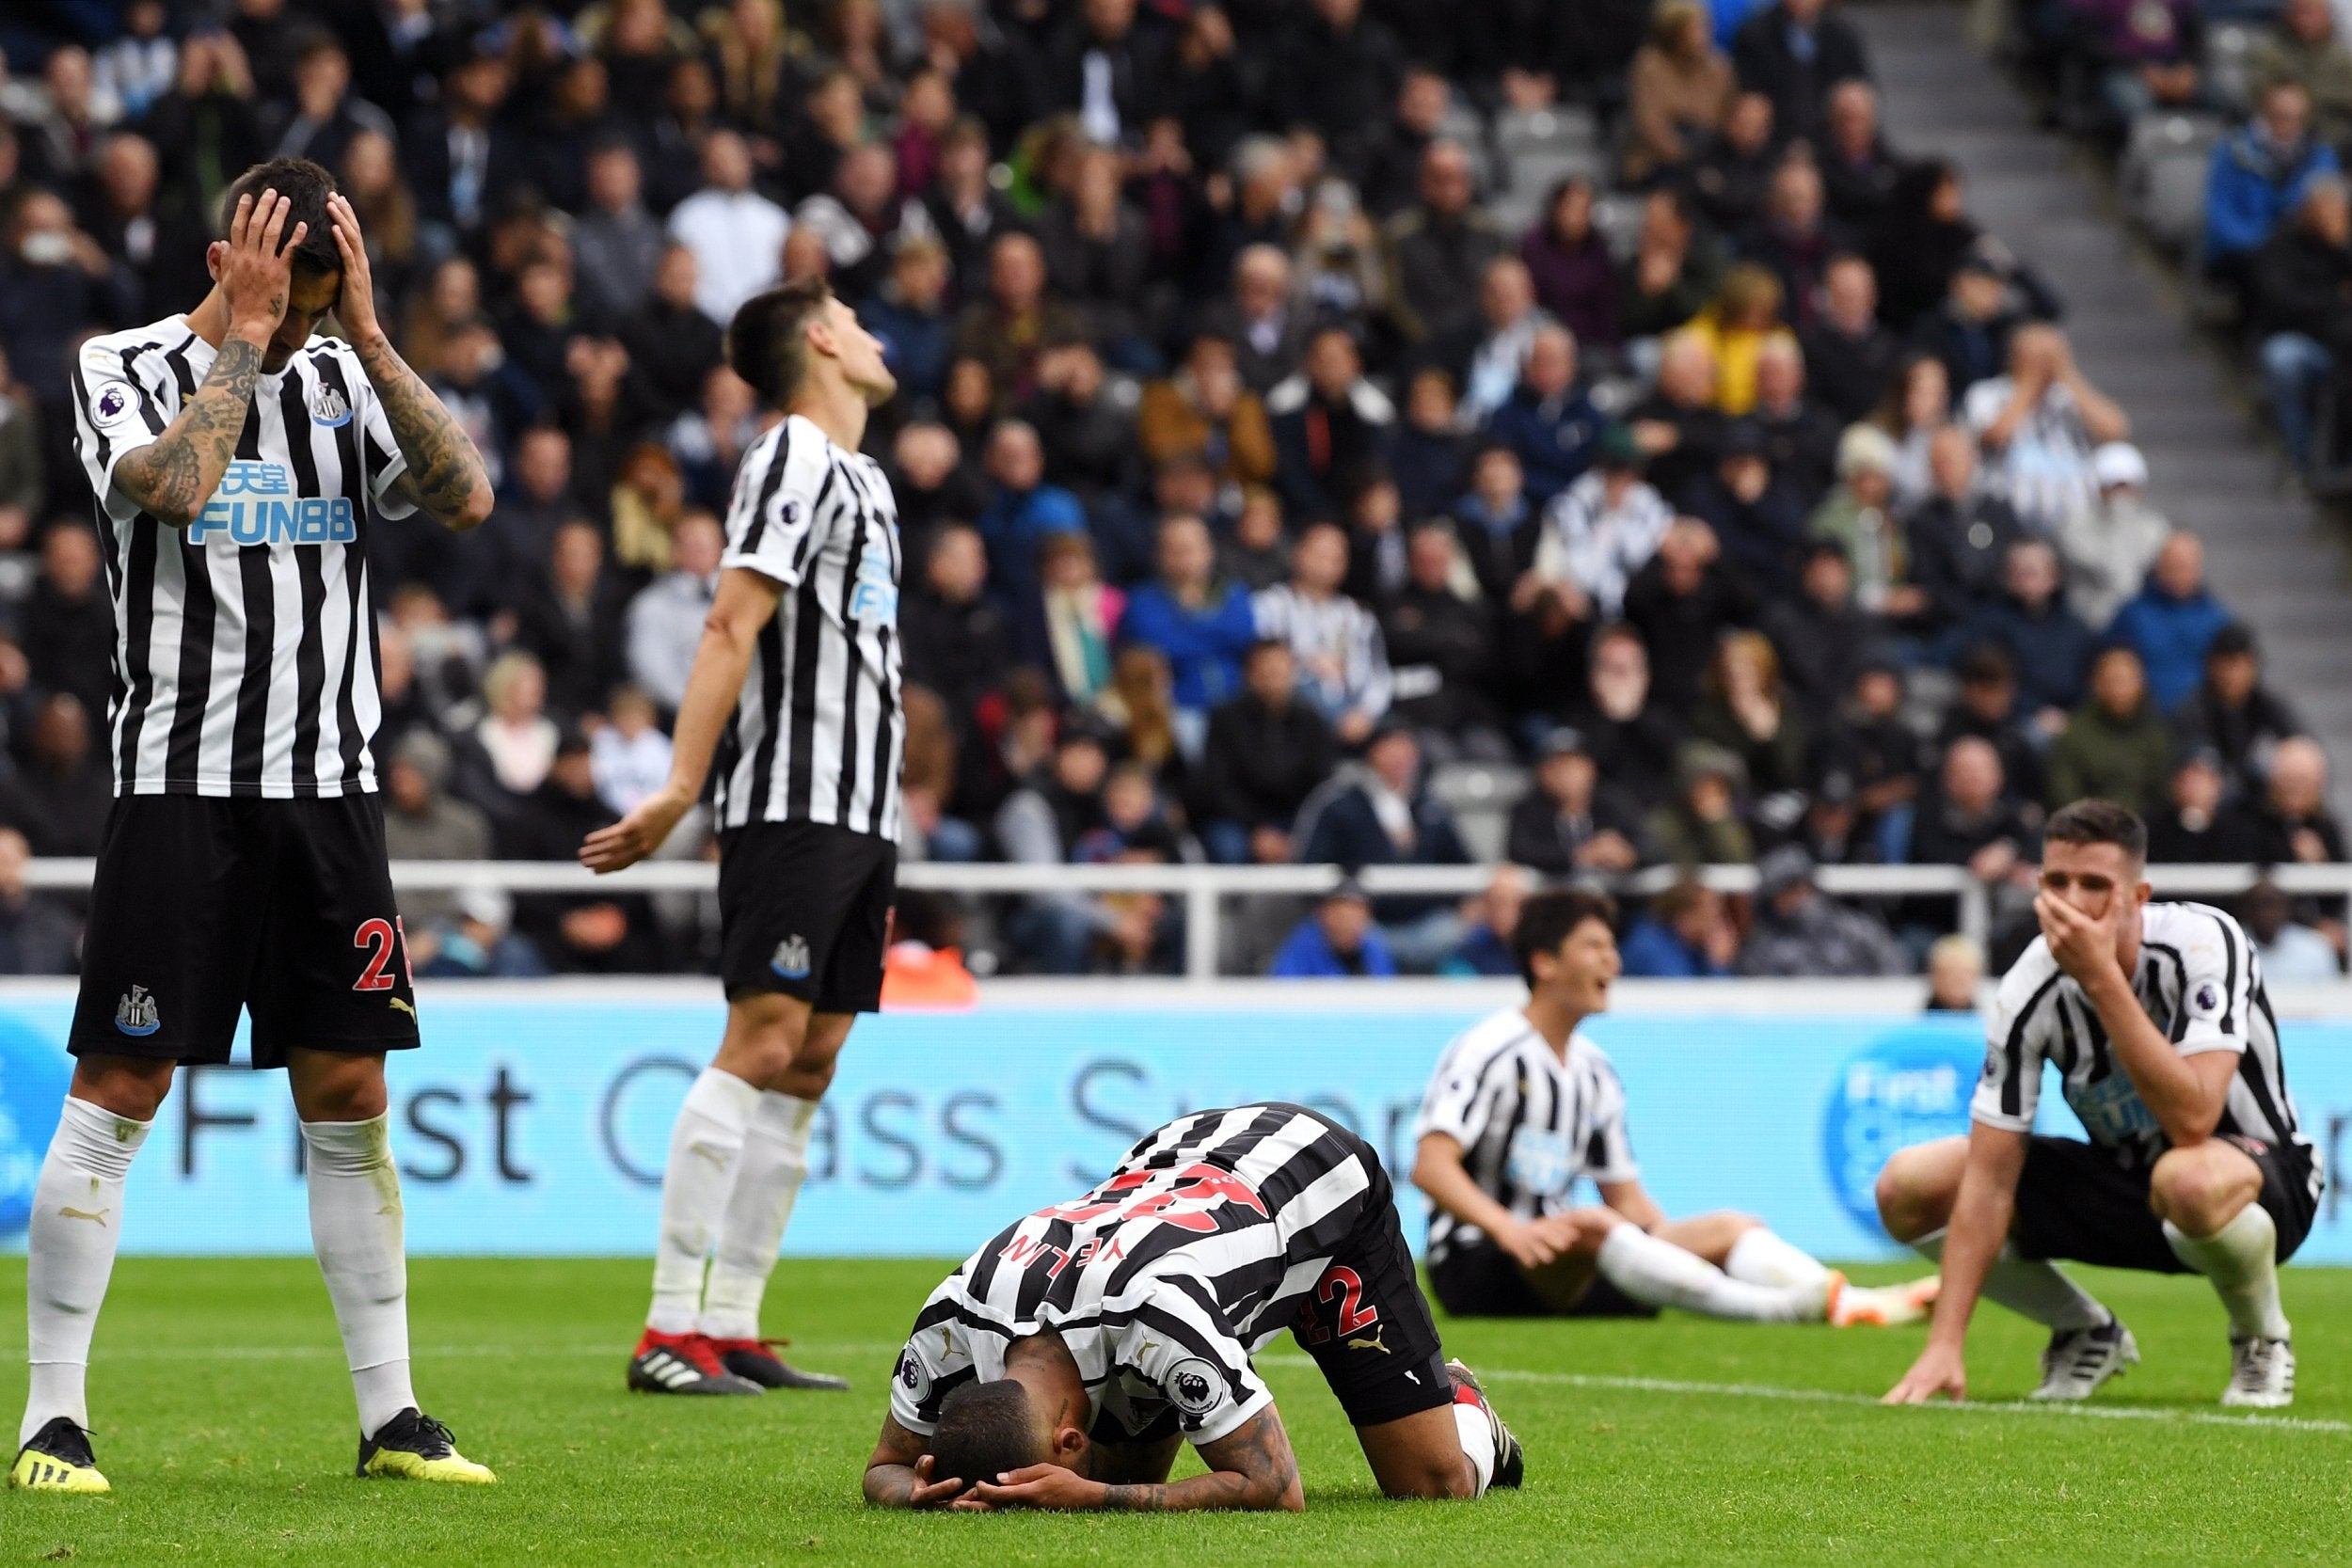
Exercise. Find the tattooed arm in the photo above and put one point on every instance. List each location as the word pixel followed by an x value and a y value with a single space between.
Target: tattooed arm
pixel 173 476
pixel 1251 1468
pixel 446 475
pixel 900 1473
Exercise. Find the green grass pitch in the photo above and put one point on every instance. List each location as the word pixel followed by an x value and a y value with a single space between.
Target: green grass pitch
pixel 224 1422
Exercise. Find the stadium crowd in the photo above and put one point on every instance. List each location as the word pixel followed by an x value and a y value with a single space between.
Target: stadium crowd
pixel 1303 401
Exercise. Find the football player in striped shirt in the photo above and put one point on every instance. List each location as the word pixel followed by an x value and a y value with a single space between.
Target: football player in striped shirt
pixel 795 687
pixel 1070 1356
pixel 238 459
pixel 2158 1020
pixel 1523 1106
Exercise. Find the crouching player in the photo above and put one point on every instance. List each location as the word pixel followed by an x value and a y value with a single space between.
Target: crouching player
pixel 2156 1017
pixel 1523 1105
pixel 1067 1358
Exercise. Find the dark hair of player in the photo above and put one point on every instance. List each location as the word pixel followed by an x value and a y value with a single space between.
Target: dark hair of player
pixel 767 342
pixel 2097 821
pixel 1550 919
pixel 984 1430
pixel 307 186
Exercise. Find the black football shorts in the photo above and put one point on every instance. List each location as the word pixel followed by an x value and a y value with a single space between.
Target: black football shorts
pixel 204 906
pixel 2088 1204
pixel 1366 1322
pixel 805 909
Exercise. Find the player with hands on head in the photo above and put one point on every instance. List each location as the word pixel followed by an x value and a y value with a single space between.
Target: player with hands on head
pixel 238 458
pixel 1523 1106
pixel 2158 1020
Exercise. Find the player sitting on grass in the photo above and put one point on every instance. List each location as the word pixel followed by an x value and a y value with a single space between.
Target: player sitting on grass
pixel 1062 1365
pixel 2157 1020
pixel 1522 1105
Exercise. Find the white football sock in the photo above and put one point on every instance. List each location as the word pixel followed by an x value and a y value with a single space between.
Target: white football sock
pixel 69 1252
pixel 705 1144
pixel 356 1231
pixel 2029 1287
pixel 1478 1442
pixel 1661 1273
pixel 2242 1261
pixel 1760 1258
pixel 767 1183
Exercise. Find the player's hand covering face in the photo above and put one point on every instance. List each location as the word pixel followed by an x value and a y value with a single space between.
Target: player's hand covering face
pixel 254 266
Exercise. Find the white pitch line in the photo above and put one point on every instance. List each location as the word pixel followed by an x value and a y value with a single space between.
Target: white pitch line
pixel 422 1353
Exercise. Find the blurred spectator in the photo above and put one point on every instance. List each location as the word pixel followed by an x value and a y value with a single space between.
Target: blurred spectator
pixel 1795 237
pixel 2291 953
pixel 909 316
pixel 476 941
pixel 1859 518
pixel 1487 352
pixel 1342 662
pixel 1259 323
pixel 665 619
pixel 68 624
pixel 72 117
pixel 1570 821
pixel 2042 420
pixel 629 755
pixel 1735 327
pixel 462 157
pixel 54 284
pixel 957 638
pixel 1015 321
pixel 36 937
pixel 1973 820
pixel 326 115
pixel 1546 418
pixel 1329 424
pixel 856 218
pixel 516 735
pixel 671 344
pixel 1428 455
pixel 422 821
pixel 1795 52
pixel 2235 714
pixel 1678 91
pixel 1024 511
pixel 1337 942
pixel 1955 974
pixel 1878 754
pixel 616 245
pixel 1681 603
pixel 2299 282
pixel 2304 49
pixel 1859 171
pixel 1969 331
pixel 1960 537
pixel 1683 935
pixel 139 68
pixel 966 210
pixel 1440 645
pixel 1258 556
pixel 1494 519
pixel 1673 271
pixel 1746 713
pixel 1800 436
pixel 2200 825
pixel 1204 410
pixel 2172 621
pixel 2049 645
pixel 1917 405
pixel 1074 625
pixel 1041 823
pixel 708 442
pixel 2258 177
pixel 2145 51
pixel 1201 623
pixel 572 623
pixel 1732 176
pixel 1440 247
pixel 1700 825
pixel 1384 817
pixel 1485 948
pixel 1603 528
pixel 2296 826
pixel 735 234
pixel 592 934
pixel 1139 706
pixel 1987 709
pixel 1823 636
pixel 2115 746
pixel 1849 357
pixel 1266 751
pixel 1575 272
pixel 23 470
pixel 1633 738
pixel 1801 932
pixel 2109 544
pixel 1759 515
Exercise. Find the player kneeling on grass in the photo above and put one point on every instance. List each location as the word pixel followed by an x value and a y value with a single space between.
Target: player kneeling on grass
pixel 1062 1365
pixel 2156 1017
pixel 1522 1105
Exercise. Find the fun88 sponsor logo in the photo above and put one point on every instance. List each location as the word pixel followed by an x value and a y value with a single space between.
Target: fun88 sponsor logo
pixel 256 505
pixel 1903 1089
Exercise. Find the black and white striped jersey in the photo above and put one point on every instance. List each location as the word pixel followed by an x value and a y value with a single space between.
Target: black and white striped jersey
pixel 1530 1122
pixel 1199 1248
pixel 245 655
pixel 819 733
pixel 2199 981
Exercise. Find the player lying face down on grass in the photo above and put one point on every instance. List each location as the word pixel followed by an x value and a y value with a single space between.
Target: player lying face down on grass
pixel 2158 1020
pixel 1064 1363
pixel 1522 1107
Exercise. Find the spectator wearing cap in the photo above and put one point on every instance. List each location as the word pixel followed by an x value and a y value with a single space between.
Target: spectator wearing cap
pixel 1338 941
pixel 1683 935
pixel 1969 329
pixel 1801 933
pixel 1859 518
pixel 1603 527
pixel 909 313
pixel 1795 52
pixel 2290 951
pixel 1202 623
pixel 2257 177
pixel 2040 424
pixel 1823 635
pixel 1700 824
pixel 2172 621
pixel 2048 643
pixel 2109 544
pixel 1570 821
pixel 1833 831
pixel 1958 539
pixel 1384 817
pixel 1330 427
pixel 2115 746
pixel 2231 712
pixel 2300 278
pixel 1759 515
pixel 1879 755
pixel 1988 709
pixel 1850 359
pixel 1441 651
pixel 1547 418
pixel 1343 661
pixel 1267 749
pixel 2201 824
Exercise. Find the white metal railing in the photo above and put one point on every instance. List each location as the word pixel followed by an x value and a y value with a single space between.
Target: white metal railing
pixel 1205 888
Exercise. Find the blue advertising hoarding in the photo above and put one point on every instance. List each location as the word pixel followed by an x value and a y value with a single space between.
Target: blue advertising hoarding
pixel 537 1123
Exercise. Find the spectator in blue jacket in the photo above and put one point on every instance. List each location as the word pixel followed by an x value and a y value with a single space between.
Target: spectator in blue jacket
pixel 1336 943
pixel 2257 179
pixel 2048 643
pixel 1683 936
pixel 1548 420
pixel 1022 514
pixel 1205 624
pixel 2172 622
pixel 909 316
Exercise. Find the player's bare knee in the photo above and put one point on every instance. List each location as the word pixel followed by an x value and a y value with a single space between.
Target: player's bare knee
pixel 1438 1480
pixel 1911 1199
pixel 126 1087
pixel 2200 1194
